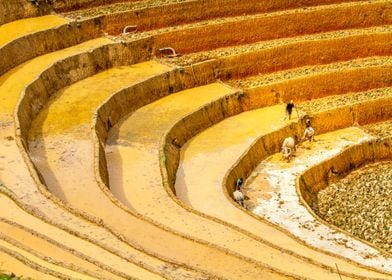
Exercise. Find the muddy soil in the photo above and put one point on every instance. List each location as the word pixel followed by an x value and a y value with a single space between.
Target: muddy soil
pixel 361 204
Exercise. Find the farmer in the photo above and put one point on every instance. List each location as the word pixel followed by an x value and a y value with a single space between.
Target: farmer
pixel 237 194
pixel 308 133
pixel 238 183
pixel 289 109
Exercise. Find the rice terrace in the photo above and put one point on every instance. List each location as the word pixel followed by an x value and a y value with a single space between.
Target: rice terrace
pixel 196 139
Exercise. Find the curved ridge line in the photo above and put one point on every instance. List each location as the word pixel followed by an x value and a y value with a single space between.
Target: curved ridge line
pixel 225 183
pixel 65 248
pixel 77 213
pixel 97 172
pixel 96 140
pixel 373 141
pixel 34 265
pixel 48 259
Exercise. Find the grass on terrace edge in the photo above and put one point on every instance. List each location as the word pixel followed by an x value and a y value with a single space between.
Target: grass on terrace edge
pixel 8 277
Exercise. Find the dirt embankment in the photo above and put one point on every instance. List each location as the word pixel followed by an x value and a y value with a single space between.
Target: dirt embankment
pixel 330 102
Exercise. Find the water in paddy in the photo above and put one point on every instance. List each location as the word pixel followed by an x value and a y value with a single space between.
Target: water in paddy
pixel 60 137
pixel 14 81
pixel 133 146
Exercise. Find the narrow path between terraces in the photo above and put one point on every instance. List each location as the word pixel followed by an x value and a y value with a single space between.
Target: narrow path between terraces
pixel 205 160
pixel 63 152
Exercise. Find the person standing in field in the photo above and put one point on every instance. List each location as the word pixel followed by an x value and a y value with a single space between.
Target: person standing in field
pixel 237 194
pixel 289 109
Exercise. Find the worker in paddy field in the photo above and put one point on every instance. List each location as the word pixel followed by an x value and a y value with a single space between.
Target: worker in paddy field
pixel 237 194
pixel 308 133
pixel 289 109
pixel 288 148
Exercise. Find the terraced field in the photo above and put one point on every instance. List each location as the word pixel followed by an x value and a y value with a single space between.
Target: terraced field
pixel 124 126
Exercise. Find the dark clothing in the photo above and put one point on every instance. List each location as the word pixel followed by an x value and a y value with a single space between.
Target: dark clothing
pixel 289 108
pixel 238 184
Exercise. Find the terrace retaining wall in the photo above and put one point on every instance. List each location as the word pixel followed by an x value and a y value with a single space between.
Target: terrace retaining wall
pixel 178 13
pixel 317 177
pixel 19 9
pixel 71 70
pixel 264 146
pixel 322 84
pixel 274 26
pixel 45 41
